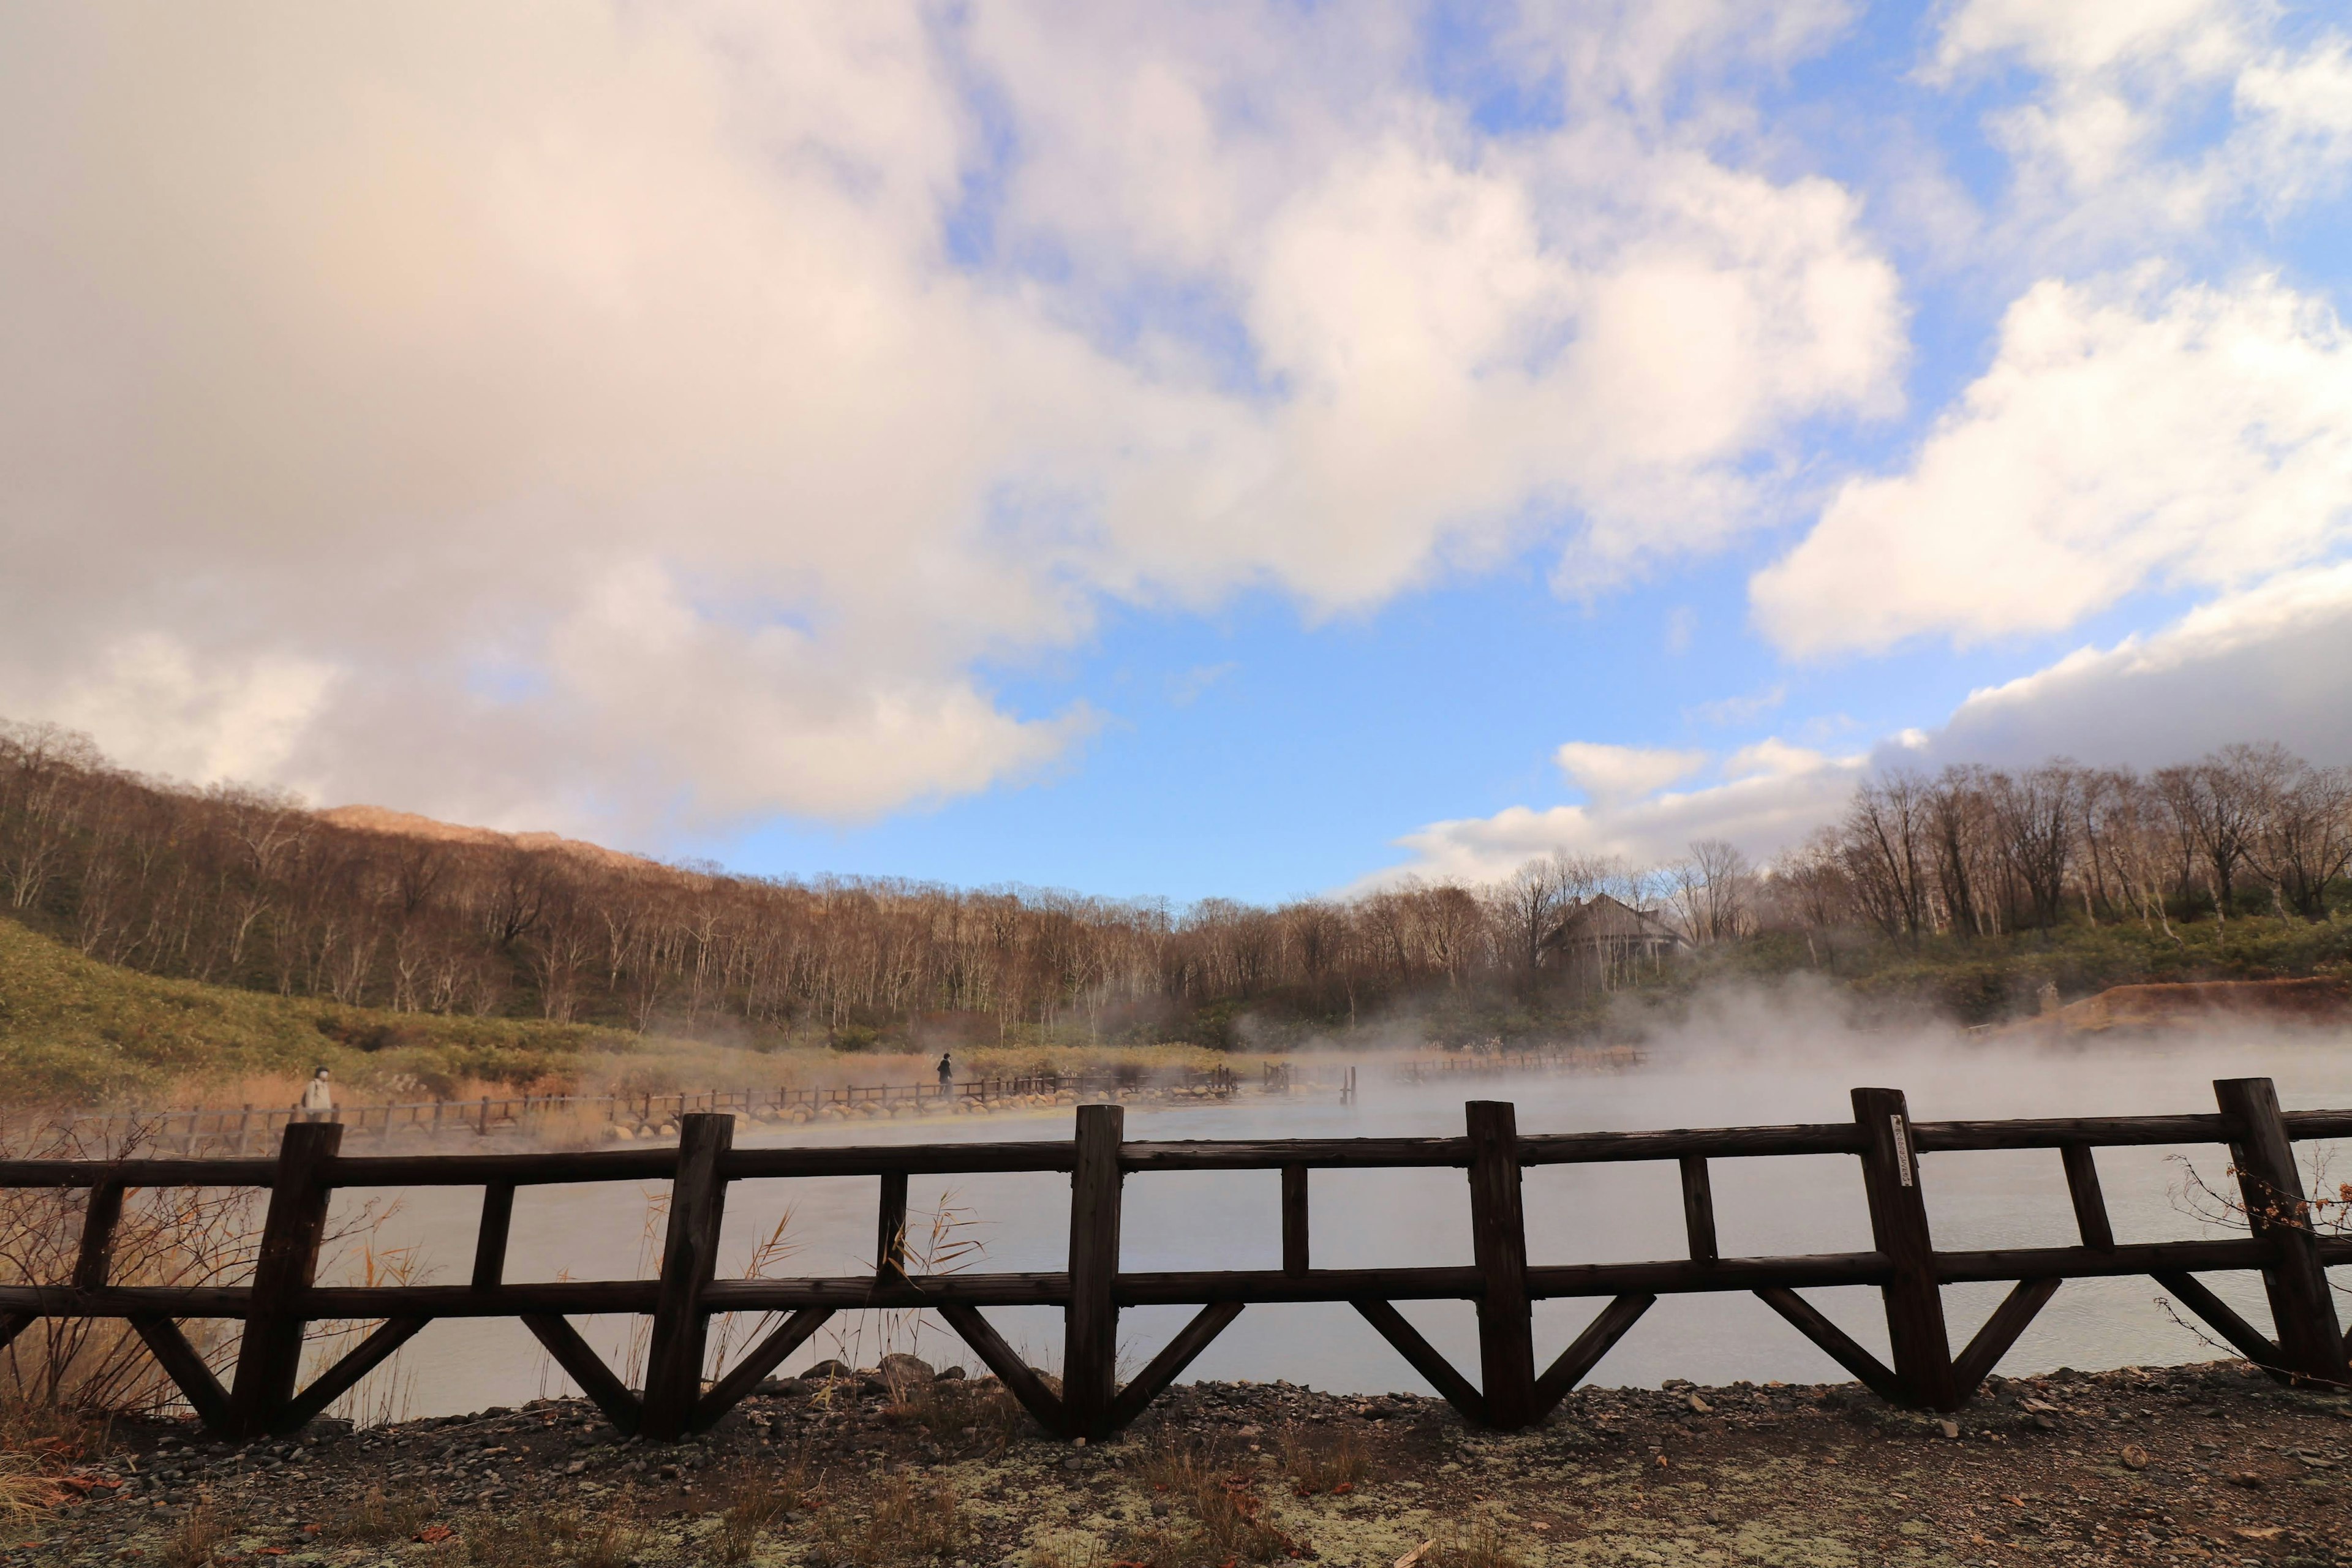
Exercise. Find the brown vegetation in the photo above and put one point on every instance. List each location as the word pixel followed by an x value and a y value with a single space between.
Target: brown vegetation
pixel 248 888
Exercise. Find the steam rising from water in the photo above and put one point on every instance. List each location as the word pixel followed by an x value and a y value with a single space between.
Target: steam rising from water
pixel 1741 1057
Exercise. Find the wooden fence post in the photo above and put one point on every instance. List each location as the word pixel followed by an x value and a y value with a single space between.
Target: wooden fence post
pixel 1090 1336
pixel 1899 1226
pixel 269 1359
pixel 2303 1308
pixel 1293 1220
pixel 697 1203
pixel 1506 1350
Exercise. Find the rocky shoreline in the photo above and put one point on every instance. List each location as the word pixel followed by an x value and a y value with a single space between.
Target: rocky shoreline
pixel 894 1467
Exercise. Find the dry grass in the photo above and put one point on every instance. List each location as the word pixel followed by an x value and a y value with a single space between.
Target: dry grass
pixel 540 1537
pixel 379 1516
pixel 1478 1544
pixel 755 1497
pixel 959 1410
pixel 196 1542
pixel 901 1525
pixel 1223 1519
pixel 1333 1467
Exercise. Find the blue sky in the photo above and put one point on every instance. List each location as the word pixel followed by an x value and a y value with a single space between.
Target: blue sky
pixel 1237 449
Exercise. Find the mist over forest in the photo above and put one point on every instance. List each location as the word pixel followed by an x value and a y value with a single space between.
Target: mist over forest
pixel 1974 893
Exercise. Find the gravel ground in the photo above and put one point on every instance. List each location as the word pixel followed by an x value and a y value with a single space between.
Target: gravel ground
pixel 2205 1464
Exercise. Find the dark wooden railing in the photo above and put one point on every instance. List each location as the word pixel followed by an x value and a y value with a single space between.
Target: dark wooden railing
pixel 235 1129
pixel 1903 1263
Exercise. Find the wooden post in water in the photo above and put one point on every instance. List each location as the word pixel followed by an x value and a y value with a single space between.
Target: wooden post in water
pixel 270 1358
pixel 2303 1308
pixel 1498 1238
pixel 1090 1336
pixel 697 1203
pixel 1898 1226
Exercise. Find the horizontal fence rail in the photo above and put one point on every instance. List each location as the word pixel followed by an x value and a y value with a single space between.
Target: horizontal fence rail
pixel 2282 1243
pixel 235 1129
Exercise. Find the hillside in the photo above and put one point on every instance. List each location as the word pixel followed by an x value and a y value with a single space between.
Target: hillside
pixel 74 1031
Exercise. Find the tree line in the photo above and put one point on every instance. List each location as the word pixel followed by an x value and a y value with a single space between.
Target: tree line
pixel 247 886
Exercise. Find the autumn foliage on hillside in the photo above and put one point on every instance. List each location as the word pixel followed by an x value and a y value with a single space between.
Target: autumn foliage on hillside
pixel 247 888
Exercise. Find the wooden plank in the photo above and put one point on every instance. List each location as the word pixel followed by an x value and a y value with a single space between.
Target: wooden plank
pixel 1425 1358
pixel 998 1358
pixel 698 1204
pixel 581 1363
pixel 187 1372
pixel 1090 1338
pixel 1840 1346
pixel 1498 1242
pixel 1999 1331
pixel 1170 1364
pixel 757 1363
pixel 2090 1202
pixel 490 1238
pixel 95 1259
pixel 1898 1224
pixel 269 1359
pixel 345 1375
pixel 890 1225
pixel 137 1173
pixel 1584 1353
pixel 2303 1307
pixel 2247 1339
pixel 1293 1220
pixel 1673 1143
pixel 1698 1208
pixel 2057 1131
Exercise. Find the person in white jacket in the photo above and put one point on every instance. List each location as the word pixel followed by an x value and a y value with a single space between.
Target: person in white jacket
pixel 318 1098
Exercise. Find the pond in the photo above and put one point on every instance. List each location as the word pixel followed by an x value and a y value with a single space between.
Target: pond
pixel 1575 1214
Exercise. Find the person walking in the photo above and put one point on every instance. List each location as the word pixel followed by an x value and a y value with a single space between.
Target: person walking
pixel 947 1076
pixel 318 1098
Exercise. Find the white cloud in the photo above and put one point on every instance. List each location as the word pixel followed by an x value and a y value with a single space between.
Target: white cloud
pixel 2272 663
pixel 1771 795
pixel 1611 774
pixel 2114 145
pixel 2123 438
pixel 594 402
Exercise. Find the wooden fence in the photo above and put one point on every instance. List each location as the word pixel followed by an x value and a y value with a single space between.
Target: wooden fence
pixel 1556 1058
pixel 237 1128
pixel 1903 1263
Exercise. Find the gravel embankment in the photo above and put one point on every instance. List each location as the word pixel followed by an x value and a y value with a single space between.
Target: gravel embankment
pixel 2207 1464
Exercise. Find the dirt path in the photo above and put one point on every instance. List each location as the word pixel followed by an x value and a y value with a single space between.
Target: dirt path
pixel 2209 1464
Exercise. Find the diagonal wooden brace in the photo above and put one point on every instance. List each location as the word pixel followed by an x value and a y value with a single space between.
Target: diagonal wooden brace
pixel 757 1363
pixel 1170 1364
pixel 581 1363
pixel 1000 1358
pixel 186 1370
pixel 1585 1352
pixel 2248 1339
pixel 1424 1359
pixel 1999 1331
pixel 1836 1343
pixel 341 1378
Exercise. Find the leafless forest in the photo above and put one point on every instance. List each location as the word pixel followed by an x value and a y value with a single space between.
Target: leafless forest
pixel 247 888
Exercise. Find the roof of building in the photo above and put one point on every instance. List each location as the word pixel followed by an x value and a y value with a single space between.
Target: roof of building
pixel 1603 919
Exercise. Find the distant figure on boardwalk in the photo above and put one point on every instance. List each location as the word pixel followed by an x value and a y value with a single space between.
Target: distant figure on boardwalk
pixel 318 1098
pixel 947 1073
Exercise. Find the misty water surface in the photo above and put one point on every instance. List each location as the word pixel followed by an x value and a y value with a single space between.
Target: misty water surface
pixel 1575 1214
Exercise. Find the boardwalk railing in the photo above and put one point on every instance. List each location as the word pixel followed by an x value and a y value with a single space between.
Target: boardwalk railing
pixel 1903 1262
pixel 236 1129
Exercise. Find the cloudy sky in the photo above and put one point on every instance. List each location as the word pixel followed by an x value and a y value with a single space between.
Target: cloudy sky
pixel 1196 448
